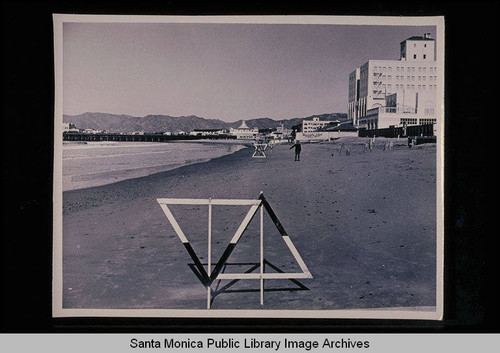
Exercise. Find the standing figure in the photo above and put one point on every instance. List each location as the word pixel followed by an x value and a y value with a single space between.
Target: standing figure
pixel 298 148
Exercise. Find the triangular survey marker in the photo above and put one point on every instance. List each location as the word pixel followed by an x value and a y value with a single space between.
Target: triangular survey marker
pixel 255 205
pixel 260 149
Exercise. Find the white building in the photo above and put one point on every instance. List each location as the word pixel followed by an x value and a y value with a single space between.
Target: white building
pixel 328 133
pixel 244 132
pixel 385 93
pixel 315 124
pixel 208 132
pixel 281 133
pixel 67 127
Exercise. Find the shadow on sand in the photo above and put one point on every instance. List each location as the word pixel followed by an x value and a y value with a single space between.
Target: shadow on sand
pixel 226 289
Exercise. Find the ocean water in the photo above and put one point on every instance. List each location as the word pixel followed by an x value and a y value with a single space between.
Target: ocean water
pixel 99 163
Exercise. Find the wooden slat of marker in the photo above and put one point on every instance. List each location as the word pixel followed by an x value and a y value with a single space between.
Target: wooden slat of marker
pixel 223 202
pixel 284 234
pixel 268 275
pixel 185 241
pixel 230 247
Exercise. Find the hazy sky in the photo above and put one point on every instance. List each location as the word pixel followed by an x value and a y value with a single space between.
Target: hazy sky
pixel 219 71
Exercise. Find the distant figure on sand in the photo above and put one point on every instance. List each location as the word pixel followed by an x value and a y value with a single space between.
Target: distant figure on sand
pixel 298 148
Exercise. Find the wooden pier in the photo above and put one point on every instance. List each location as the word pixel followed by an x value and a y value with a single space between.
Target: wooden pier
pixel 79 136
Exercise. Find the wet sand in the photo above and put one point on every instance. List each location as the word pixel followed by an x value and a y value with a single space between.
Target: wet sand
pixel 364 223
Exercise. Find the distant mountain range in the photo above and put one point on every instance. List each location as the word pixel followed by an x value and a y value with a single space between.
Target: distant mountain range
pixel 161 123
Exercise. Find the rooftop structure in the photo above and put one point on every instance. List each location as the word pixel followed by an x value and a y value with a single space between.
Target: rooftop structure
pixel 244 132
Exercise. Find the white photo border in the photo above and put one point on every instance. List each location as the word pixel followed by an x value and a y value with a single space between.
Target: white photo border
pixel 394 313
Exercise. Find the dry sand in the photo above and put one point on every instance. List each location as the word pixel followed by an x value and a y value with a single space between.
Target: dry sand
pixel 364 223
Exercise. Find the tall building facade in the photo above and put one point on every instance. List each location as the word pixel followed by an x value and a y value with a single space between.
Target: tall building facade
pixel 384 93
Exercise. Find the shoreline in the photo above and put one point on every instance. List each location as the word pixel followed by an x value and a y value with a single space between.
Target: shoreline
pixel 364 223
pixel 71 196
pixel 84 181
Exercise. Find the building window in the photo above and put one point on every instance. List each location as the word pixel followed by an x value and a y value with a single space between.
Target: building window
pixel 427 121
pixel 424 56
pixel 414 56
pixel 408 121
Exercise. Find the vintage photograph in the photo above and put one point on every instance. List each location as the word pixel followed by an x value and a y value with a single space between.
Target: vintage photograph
pixel 248 166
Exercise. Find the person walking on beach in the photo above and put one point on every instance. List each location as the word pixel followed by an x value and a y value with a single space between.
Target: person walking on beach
pixel 298 148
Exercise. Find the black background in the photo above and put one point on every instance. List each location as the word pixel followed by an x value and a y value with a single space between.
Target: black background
pixel 471 159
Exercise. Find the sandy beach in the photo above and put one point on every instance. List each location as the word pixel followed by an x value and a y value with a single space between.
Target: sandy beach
pixel 364 223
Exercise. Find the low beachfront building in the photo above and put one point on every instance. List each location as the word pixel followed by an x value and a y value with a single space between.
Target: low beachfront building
pixel 328 133
pixel 208 132
pixel 394 113
pixel 68 127
pixel 281 133
pixel 244 132
pixel 316 123
pixel 385 93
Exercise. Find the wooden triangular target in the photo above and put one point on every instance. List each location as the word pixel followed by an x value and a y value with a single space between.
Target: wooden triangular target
pixel 216 274
pixel 208 277
pixel 260 149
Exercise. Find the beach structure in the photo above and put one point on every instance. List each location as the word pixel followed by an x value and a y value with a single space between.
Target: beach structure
pixel 315 124
pixel 260 150
pixel 243 132
pixel 281 133
pixel 385 93
pixel 208 132
pixel 209 275
pixel 67 127
pixel 316 130
pixel 328 132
